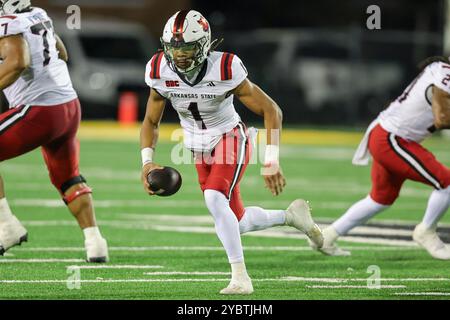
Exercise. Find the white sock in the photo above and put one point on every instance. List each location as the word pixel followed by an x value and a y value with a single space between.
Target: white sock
pixel 92 233
pixel 358 214
pixel 226 223
pixel 256 218
pixel 438 204
pixel 5 210
pixel 239 271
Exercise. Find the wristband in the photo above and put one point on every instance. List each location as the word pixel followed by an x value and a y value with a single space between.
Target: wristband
pixel 272 154
pixel 147 155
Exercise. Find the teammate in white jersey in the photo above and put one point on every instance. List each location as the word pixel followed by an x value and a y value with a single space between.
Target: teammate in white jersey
pixel 200 83
pixel 393 140
pixel 44 111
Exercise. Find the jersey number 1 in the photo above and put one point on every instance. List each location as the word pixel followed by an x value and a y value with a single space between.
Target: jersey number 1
pixel 43 28
pixel 193 108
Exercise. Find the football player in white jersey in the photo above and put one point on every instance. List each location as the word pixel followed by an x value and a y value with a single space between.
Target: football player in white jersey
pixel 200 83
pixel 393 140
pixel 44 111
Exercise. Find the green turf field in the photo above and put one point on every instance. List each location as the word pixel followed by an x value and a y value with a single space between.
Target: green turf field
pixel 167 248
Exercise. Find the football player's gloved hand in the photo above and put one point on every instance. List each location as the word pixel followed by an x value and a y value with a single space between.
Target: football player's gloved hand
pixel 145 171
pixel 274 179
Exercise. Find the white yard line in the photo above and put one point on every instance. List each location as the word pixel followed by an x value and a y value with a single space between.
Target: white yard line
pixel 207 248
pixel 118 266
pixel 285 279
pixel 194 273
pixel 422 293
pixel 120 280
pixel 354 287
pixel 345 280
pixel 136 280
pixel 39 260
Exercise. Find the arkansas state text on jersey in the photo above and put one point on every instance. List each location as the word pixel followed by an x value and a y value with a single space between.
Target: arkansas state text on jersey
pixel 205 108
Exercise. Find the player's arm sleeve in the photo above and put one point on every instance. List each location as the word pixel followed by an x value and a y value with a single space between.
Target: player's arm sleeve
pixel 441 76
pixel 152 82
pixel 148 80
pixel 239 71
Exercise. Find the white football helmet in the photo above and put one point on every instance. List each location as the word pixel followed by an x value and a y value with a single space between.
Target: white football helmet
pixel 13 6
pixel 186 30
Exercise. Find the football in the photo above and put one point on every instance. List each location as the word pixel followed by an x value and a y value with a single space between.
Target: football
pixel 164 182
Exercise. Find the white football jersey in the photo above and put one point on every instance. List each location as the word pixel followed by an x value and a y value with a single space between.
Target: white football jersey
pixel 205 108
pixel 410 116
pixel 46 82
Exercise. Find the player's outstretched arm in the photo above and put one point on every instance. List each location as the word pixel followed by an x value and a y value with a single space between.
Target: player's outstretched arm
pixel 260 103
pixel 15 54
pixel 149 135
pixel 441 108
pixel 62 51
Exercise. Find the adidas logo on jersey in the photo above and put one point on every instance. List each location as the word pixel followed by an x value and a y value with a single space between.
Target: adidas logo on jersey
pixel 211 84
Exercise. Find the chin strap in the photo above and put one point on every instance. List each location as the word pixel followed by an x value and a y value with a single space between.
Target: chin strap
pixel 77 193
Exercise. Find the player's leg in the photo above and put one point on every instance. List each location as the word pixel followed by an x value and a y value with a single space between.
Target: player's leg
pixel 17 137
pixel 63 168
pixel 423 167
pixel 297 215
pixel 385 190
pixel 386 185
pixel 438 204
pixel 12 232
pixel 256 218
pixel 226 225
pixel 230 160
pixel 62 157
pixel 227 229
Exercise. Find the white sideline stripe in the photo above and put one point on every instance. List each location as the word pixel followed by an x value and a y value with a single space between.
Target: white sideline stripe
pixel 422 293
pixel 206 248
pixel 269 233
pixel 57 203
pixel 194 273
pixel 187 219
pixel 39 260
pixel 205 219
pixel 354 287
pixel 118 266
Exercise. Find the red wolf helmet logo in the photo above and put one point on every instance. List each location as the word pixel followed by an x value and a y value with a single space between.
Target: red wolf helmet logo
pixel 204 23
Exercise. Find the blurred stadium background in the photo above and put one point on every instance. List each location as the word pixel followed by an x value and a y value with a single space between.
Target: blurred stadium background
pixel 317 59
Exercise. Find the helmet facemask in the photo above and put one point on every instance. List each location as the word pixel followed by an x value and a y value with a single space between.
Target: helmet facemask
pixel 185 57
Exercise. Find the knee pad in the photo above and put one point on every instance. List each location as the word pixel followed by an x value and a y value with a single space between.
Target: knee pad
pixel 77 193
